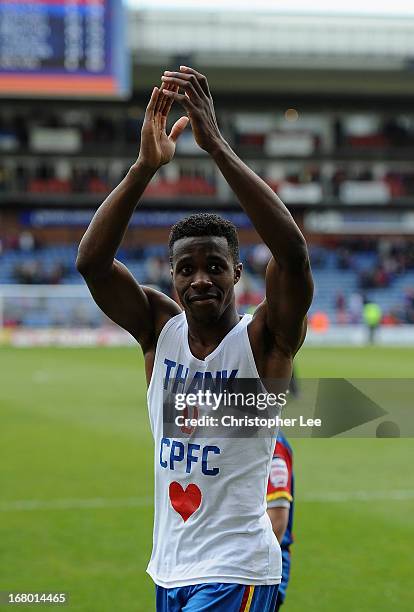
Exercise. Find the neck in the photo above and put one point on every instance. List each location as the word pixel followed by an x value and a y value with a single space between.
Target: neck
pixel 209 333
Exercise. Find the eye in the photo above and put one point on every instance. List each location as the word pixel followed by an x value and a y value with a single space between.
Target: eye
pixel 216 268
pixel 186 270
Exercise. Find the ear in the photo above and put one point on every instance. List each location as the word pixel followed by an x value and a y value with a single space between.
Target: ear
pixel 238 268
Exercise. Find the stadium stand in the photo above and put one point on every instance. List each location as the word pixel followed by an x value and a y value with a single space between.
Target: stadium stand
pixel 347 275
pixel 342 162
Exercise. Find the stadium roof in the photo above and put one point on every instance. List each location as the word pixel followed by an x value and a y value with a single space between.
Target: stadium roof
pixel 287 40
pixel 290 48
pixel 349 7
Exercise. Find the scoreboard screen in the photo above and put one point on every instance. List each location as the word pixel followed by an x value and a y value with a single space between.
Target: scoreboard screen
pixel 63 48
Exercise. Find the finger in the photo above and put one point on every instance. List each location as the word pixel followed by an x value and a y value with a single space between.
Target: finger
pixel 180 98
pixel 184 84
pixel 152 102
pixel 163 115
pixel 186 77
pixel 178 128
pixel 160 99
pixel 163 99
pixel 168 102
pixel 201 78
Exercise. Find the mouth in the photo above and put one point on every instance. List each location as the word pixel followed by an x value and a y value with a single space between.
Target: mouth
pixel 207 297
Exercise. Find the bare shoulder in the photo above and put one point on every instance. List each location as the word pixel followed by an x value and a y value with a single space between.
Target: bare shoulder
pixel 162 308
pixel 142 311
pixel 273 355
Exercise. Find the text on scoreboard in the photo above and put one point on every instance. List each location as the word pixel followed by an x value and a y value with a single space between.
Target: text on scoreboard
pixel 63 48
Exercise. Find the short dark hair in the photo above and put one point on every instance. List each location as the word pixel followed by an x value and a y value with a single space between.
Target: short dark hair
pixel 206 224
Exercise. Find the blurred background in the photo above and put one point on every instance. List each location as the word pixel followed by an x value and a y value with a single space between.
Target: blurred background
pixel 318 100
pixel 319 105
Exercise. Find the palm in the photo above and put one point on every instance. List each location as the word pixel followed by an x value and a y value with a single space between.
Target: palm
pixel 166 147
pixel 158 148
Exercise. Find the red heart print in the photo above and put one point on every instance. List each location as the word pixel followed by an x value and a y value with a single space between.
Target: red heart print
pixel 185 501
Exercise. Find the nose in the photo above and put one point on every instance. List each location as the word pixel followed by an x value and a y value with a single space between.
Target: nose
pixel 201 282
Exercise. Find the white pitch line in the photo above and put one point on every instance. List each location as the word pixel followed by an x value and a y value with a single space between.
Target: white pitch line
pixel 338 496
pixel 75 503
pixel 139 502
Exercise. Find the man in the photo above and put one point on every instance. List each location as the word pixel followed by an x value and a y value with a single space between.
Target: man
pixel 280 492
pixel 214 548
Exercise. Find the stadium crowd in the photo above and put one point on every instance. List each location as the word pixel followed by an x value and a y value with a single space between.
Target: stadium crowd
pixel 357 272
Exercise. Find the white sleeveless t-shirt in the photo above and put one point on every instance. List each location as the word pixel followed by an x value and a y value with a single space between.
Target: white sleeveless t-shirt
pixel 210 522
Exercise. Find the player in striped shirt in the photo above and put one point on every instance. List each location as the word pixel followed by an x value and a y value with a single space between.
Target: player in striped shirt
pixel 280 491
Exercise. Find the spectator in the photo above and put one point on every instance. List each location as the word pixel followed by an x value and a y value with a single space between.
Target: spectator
pixel 372 318
pixel 355 307
pixel 26 241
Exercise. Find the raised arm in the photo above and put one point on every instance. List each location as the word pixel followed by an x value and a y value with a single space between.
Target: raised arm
pixel 140 310
pixel 289 286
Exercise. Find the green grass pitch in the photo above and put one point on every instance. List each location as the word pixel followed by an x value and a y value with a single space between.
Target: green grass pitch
pixel 76 482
